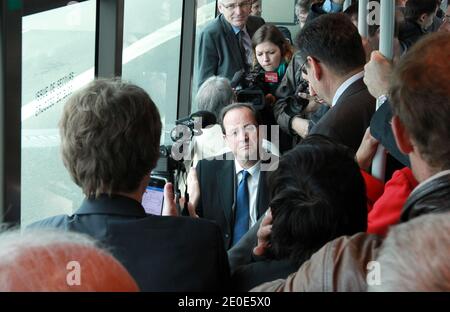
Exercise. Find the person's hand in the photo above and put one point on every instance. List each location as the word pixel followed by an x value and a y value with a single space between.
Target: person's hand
pixel 366 151
pixel 377 73
pixel 170 206
pixel 193 187
pixel 314 102
pixel 265 229
pixel 300 126
pixel 445 26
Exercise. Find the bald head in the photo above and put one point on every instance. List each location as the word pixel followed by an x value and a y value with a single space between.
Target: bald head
pixel 58 261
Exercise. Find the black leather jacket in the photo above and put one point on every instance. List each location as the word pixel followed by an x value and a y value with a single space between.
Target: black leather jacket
pixel 433 196
pixel 288 88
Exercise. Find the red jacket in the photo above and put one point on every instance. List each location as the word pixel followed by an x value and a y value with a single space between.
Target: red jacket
pixel 385 202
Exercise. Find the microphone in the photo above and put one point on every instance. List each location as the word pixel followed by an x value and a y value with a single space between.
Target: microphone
pixel 208 118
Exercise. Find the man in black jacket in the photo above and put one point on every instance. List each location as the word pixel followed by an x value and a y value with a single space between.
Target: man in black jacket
pixel 225 45
pixel 110 134
pixel 419 17
pixel 333 64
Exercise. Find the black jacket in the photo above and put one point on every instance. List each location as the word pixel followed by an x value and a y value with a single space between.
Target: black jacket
pixel 409 33
pixel 433 196
pixel 161 253
pixel 347 121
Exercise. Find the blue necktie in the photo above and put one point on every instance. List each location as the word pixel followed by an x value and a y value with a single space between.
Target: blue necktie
pixel 242 216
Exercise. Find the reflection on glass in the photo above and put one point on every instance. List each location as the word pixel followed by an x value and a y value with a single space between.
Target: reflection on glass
pixel 58 58
pixel 151 53
pixel 206 11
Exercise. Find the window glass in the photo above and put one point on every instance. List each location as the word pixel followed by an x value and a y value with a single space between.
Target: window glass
pixel 58 58
pixel 151 56
pixel 206 10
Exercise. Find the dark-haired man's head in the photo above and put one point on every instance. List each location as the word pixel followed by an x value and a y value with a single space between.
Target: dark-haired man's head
pixel 110 134
pixel 333 50
pixel 317 194
pixel 421 11
pixel 420 93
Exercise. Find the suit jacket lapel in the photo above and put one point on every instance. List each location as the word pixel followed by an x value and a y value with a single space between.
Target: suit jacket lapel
pixel 226 179
pixel 355 87
pixel 262 196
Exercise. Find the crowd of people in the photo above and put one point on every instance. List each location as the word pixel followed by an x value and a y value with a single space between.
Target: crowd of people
pixel 295 210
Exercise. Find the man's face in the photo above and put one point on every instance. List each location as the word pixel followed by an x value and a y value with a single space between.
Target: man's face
pixel 241 134
pixel 236 12
pixel 256 8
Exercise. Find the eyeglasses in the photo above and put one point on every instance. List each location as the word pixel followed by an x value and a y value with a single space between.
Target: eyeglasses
pixel 303 67
pixel 233 6
pixel 248 129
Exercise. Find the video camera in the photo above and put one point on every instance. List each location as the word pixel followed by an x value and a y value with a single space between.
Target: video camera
pixel 296 104
pixel 252 87
pixel 188 127
pixel 170 165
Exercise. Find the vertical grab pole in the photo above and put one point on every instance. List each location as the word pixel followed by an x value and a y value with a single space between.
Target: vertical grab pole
pixel 444 5
pixel 387 49
pixel 347 3
pixel 363 27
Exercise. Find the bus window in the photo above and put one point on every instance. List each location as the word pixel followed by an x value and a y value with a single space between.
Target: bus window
pixel 151 55
pixel 58 58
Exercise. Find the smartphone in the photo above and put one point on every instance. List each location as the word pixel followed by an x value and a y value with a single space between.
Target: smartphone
pixel 153 199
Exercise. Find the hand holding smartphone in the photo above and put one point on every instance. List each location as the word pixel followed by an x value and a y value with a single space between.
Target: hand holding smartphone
pixel 153 199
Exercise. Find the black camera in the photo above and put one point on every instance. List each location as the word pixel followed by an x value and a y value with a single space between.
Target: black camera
pixel 167 166
pixel 295 104
pixel 251 87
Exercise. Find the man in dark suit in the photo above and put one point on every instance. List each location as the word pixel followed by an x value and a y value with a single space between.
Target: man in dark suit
pixel 225 45
pixel 333 64
pixel 110 134
pixel 233 190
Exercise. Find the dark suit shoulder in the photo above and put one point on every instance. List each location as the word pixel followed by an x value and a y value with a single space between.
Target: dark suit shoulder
pixel 217 162
pixel 347 121
pixel 214 27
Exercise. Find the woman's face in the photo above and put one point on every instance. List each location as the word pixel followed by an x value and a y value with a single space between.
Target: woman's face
pixel 268 55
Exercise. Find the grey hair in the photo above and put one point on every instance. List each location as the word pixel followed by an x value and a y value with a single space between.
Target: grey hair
pixel 415 256
pixel 214 94
pixel 55 247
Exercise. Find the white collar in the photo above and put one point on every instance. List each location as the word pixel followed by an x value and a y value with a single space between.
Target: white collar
pixel 253 170
pixel 345 86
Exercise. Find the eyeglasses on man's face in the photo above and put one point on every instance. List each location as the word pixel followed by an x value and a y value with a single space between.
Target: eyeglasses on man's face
pixel 248 129
pixel 303 68
pixel 233 6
